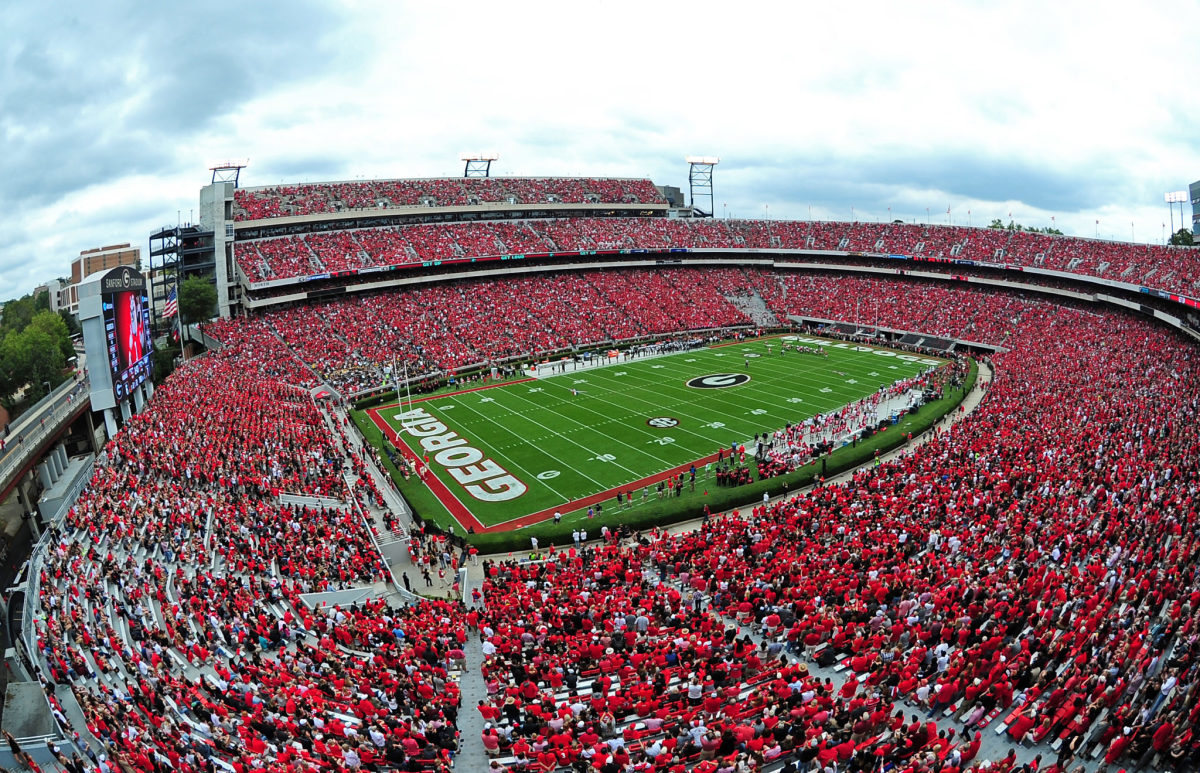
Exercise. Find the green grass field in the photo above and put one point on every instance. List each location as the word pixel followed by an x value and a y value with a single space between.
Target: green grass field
pixel 509 456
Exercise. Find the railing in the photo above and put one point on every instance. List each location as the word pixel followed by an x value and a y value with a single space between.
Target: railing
pixel 54 407
pixel 32 607
pixel 366 522
pixel 313 500
pixel 196 333
pixel 68 500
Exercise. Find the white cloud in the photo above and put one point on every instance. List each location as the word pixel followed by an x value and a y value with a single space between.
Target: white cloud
pixel 1077 111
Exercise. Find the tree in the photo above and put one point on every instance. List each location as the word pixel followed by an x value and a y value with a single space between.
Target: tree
pixel 1183 238
pixel 30 357
pixel 69 320
pixel 197 299
pixel 164 363
pixel 998 224
pixel 53 326
pixel 17 313
pixel 12 377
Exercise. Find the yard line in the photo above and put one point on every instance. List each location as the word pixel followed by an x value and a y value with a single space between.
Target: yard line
pixel 659 388
pixel 633 416
pixel 703 421
pixel 827 379
pixel 814 404
pixel 771 368
pixel 656 388
pixel 826 371
pixel 605 434
pixel 509 460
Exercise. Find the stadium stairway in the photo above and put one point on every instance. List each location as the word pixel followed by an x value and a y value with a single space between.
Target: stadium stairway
pixel 393 544
pixel 471 755
pixel 754 307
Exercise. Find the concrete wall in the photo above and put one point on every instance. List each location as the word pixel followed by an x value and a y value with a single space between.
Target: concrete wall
pixel 216 203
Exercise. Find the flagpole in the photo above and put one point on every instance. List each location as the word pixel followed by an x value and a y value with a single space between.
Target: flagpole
pixel 179 321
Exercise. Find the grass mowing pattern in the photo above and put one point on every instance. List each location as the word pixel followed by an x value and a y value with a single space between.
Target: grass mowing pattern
pixel 585 444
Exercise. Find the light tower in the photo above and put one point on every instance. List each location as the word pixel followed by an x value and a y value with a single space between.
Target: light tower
pixel 228 171
pixel 478 164
pixel 1176 197
pixel 700 184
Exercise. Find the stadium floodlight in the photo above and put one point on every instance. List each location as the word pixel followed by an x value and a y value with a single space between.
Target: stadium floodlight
pixel 229 163
pixel 479 163
pixel 228 170
pixel 700 172
pixel 1172 198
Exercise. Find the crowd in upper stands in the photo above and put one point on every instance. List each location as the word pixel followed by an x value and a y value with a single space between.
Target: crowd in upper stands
pixel 1036 565
pixel 317 198
pixel 1167 268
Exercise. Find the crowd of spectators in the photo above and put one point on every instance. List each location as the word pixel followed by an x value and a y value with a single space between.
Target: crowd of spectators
pixel 1168 268
pixel 438 329
pixel 445 327
pixel 170 597
pixel 317 198
pixel 1036 566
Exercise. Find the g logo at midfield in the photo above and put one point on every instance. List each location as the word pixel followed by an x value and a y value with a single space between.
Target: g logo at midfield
pixel 718 381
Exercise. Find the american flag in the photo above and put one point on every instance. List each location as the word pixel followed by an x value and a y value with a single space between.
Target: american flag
pixel 172 306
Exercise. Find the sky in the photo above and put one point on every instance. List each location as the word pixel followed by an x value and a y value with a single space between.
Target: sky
pixel 1068 114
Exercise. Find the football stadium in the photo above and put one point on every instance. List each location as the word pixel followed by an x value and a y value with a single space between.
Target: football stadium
pixel 560 474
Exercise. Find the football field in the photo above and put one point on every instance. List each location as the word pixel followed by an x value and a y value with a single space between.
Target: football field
pixel 508 455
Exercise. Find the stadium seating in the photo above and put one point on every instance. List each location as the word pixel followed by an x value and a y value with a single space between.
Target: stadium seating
pixel 172 594
pixel 318 198
pixel 1032 568
pixel 1024 564
pixel 446 327
pixel 1175 269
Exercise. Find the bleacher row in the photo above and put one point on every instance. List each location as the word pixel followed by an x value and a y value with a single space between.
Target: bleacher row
pixel 318 198
pixel 1168 268
pixel 1042 556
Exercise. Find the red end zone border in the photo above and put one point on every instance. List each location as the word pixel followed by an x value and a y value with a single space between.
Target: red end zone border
pixel 466 518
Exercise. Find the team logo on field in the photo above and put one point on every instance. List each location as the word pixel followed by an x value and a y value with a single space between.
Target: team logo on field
pixel 663 422
pixel 718 381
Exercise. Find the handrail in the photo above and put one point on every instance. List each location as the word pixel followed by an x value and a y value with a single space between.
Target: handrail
pixel 21 444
